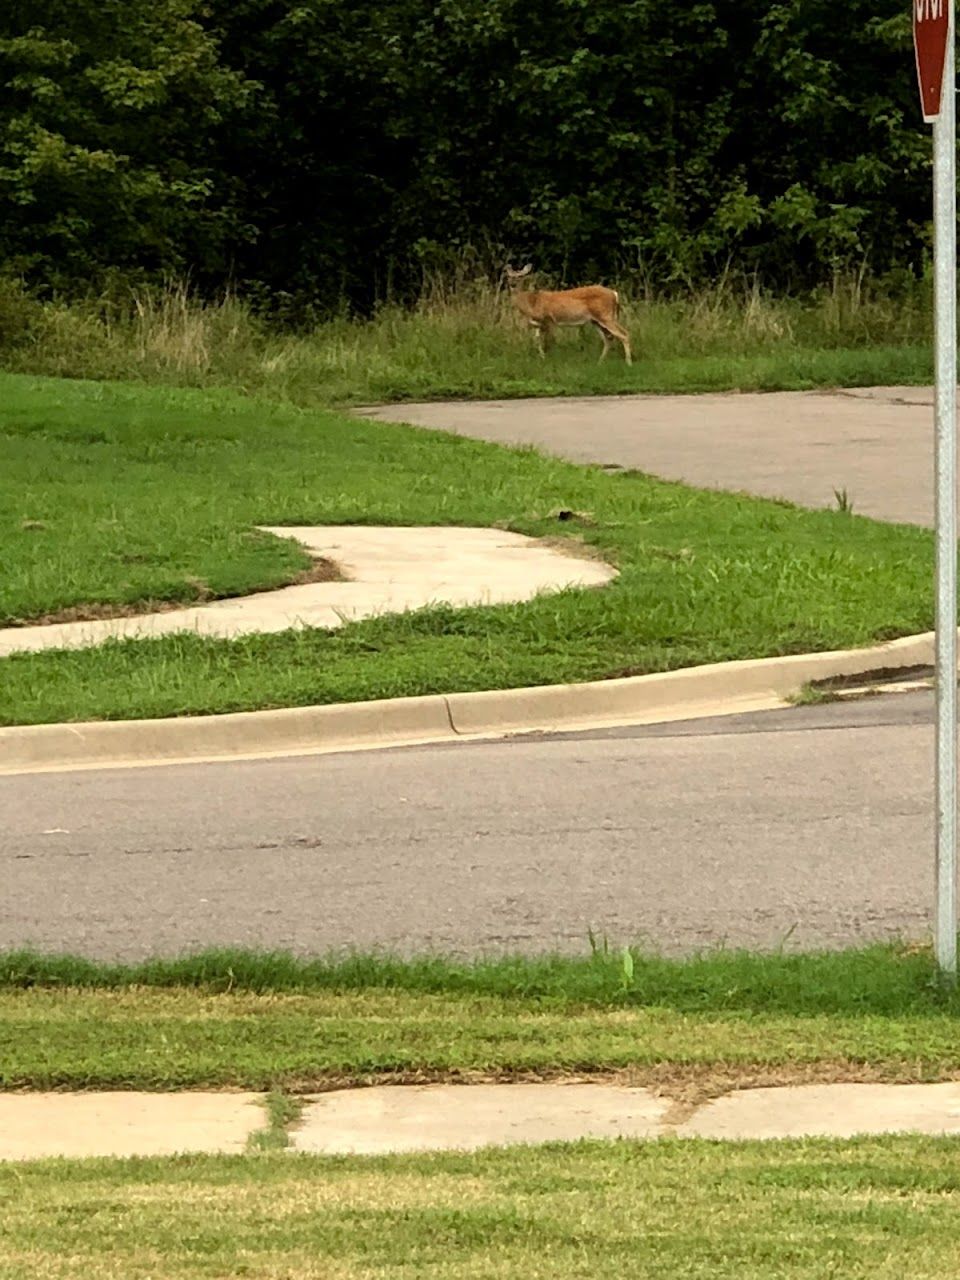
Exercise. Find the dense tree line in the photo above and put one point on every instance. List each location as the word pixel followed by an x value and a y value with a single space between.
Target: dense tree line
pixel 329 149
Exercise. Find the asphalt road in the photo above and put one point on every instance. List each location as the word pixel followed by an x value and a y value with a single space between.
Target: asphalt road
pixel 877 443
pixel 811 825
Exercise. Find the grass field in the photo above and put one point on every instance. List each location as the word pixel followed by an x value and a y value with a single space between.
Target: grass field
pixel 872 1208
pixel 176 1040
pixel 117 494
pixel 464 339
pixel 691 1027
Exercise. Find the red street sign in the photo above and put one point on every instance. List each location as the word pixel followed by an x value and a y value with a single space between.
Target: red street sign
pixel 931 27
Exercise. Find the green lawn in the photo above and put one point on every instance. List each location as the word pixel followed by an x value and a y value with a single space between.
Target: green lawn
pixel 178 1040
pixel 871 1208
pixel 271 1022
pixel 113 494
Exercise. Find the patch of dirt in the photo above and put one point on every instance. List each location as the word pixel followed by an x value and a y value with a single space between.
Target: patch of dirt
pixel 876 678
pixel 688 1086
pixel 320 570
pixel 572 545
pixel 627 673
pixel 576 549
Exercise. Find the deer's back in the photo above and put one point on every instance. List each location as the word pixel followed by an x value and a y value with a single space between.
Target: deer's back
pixel 589 299
pixel 586 294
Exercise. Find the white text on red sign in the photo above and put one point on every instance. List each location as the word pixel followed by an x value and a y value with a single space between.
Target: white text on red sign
pixel 929 10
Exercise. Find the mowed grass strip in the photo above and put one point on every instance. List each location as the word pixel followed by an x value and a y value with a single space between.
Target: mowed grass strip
pixel 870 1208
pixel 142 1039
pixel 274 1023
pixel 884 980
pixel 113 494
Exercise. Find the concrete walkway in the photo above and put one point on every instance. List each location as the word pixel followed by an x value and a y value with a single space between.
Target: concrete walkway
pixel 877 443
pixel 392 1119
pixel 388 570
pixel 35 1126
pixel 456 1117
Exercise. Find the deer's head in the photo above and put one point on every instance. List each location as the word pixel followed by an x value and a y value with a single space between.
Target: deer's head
pixel 513 278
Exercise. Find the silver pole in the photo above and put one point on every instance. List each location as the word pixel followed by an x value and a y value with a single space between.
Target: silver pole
pixel 945 341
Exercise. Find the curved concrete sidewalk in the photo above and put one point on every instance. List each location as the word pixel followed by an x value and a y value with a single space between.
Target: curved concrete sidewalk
pixel 388 570
pixel 389 1119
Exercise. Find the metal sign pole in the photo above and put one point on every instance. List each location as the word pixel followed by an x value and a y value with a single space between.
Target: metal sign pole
pixel 945 363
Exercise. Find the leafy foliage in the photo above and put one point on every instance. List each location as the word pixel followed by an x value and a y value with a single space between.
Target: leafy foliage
pixel 331 149
pixel 111 120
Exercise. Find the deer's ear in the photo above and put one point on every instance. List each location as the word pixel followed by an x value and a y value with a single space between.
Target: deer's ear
pixel 527 269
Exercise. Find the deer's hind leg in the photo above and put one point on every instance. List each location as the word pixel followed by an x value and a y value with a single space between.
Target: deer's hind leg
pixel 607 340
pixel 609 329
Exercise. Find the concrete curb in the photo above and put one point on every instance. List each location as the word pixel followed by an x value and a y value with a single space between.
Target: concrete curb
pixel 724 688
pixel 242 735
pixel 721 688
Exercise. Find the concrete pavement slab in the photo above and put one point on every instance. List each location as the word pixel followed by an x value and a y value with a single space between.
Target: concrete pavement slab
pixel 466 1117
pixel 38 1125
pixel 829 1111
pixel 388 1119
pixel 389 570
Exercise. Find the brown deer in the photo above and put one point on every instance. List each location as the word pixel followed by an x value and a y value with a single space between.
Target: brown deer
pixel 544 309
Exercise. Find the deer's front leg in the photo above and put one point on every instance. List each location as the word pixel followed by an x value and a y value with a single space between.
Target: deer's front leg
pixel 547 333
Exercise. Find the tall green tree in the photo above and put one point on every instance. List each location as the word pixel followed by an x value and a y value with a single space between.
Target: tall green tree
pixel 321 150
pixel 112 115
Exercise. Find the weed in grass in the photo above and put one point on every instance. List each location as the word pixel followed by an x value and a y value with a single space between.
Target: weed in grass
pixel 842 499
pixel 282 1112
pixel 627 969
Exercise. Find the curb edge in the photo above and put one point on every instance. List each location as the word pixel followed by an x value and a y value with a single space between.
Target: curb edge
pixel 689 693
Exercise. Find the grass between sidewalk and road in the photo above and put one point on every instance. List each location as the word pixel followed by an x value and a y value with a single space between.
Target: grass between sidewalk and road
pixel 878 1208
pixel 692 1027
pixel 117 495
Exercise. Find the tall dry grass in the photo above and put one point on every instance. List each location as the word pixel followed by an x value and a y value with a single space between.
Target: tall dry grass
pixel 464 338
